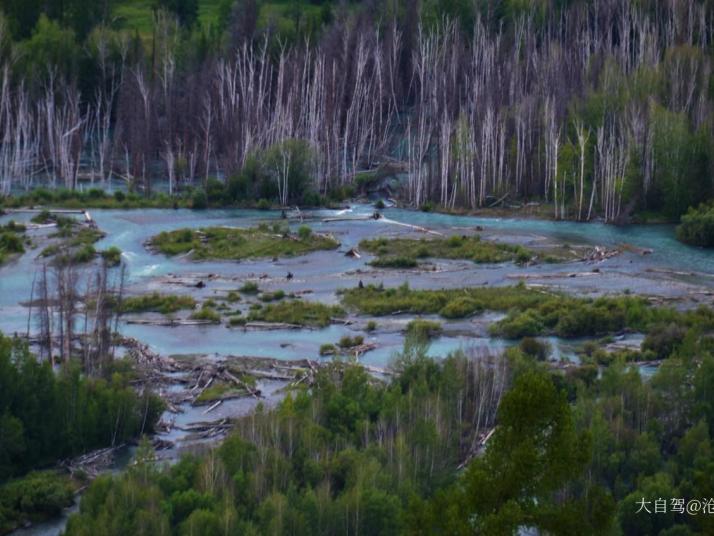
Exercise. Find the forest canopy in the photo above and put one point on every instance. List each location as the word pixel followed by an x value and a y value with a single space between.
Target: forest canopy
pixel 596 109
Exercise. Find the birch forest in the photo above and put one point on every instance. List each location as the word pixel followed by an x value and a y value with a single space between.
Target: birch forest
pixel 599 109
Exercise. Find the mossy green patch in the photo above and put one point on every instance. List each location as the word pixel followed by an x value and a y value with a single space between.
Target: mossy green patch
pixel 530 312
pixel 297 312
pixel 158 303
pixel 424 329
pixel 11 240
pixel 235 244
pixel 396 252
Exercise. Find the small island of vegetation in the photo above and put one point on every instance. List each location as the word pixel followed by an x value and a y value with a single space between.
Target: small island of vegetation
pixel 230 243
pixel 404 252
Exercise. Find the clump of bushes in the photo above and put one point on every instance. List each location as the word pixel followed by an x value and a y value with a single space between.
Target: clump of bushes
pixel 424 329
pixel 297 312
pixel 697 227
pixel 250 287
pixel 454 247
pixel 38 495
pixel 83 255
pixel 234 244
pixel 515 326
pixel 663 340
pixel 199 201
pixel 234 321
pixel 350 342
pixel 158 303
pixel 394 262
pixel 272 296
pixel 10 242
pixel 461 308
pixel 535 348
pixel 206 313
pixel 112 256
pixel 328 349
pixel 304 232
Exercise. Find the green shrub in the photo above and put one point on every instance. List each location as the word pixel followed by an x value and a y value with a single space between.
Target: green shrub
pixel 263 204
pixel 297 312
pixel 304 232
pixel 235 243
pixel 236 320
pixel 461 308
pixel 697 227
pixel 328 349
pixel 454 241
pixel 663 340
pixel 515 326
pixel 84 254
pixel 199 200
pixel 207 314
pixel 535 348
pixel 11 243
pixel 394 262
pixel 249 287
pixel 38 495
pixel 371 326
pixel 272 296
pixel 43 218
pixel 159 303
pixel 350 342
pixel 424 329
pixel 112 256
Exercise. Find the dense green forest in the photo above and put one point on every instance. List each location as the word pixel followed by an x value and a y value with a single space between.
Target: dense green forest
pixel 48 416
pixel 597 109
pixel 572 453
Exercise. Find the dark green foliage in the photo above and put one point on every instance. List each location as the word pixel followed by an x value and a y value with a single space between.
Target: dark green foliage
pixel 350 342
pixel 697 227
pixel 186 11
pixel 112 256
pixel 11 241
pixel 535 453
pixel 531 312
pixel 318 451
pixel 663 340
pixel 233 243
pixel 424 329
pixel 539 350
pixel 394 262
pixel 36 496
pixel 328 349
pixel 199 201
pixel 455 247
pixel 272 296
pixel 461 307
pixel 378 301
pixel 297 312
pixel 159 303
pixel 206 313
pixel 46 416
pixel 250 287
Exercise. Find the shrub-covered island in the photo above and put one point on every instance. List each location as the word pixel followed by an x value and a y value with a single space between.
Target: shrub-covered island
pixel 236 244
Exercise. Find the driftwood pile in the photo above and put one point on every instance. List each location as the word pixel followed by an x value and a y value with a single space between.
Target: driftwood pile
pixel 93 463
pixel 601 253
